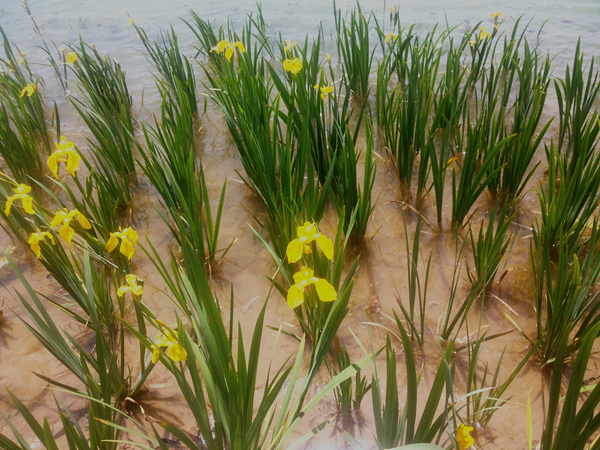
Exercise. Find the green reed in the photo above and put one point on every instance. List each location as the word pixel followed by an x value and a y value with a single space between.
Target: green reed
pixel 102 371
pixel 353 47
pixel 18 147
pixel 14 79
pixel 570 200
pixel 101 436
pixel 416 325
pixel 102 81
pixel 60 67
pixel 578 128
pixel 449 323
pixel 576 426
pixel 343 393
pixel 171 165
pixel 396 426
pixel 490 246
pixel 105 107
pixel 477 167
pixel 175 69
pixel 515 158
pixel 406 114
pixel 327 115
pixel 484 388
pixel 229 375
pixel 350 194
pixel 563 279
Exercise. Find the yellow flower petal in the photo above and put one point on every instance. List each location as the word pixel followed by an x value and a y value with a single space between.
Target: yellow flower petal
pixel 294 250
pixel 9 202
pixel 122 290
pixel 127 248
pixel 155 354
pixel 71 57
pixel 28 204
pixel 229 53
pixel 240 45
pixel 83 221
pixel 53 164
pixel 325 290
pixel 66 232
pixel 177 353
pixel 304 275
pixel 326 246
pixel 112 243
pixel 72 162
pixel 131 234
pixel 295 297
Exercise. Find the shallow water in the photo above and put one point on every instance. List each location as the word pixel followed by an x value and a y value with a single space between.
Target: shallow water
pixel 382 272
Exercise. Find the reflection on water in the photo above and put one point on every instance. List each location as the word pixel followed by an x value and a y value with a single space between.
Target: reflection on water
pixel 381 278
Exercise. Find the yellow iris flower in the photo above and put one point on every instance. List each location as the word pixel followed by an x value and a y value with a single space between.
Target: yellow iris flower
pixel 131 286
pixel 289 45
pixel 292 65
pixel 64 217
pixel 306 234
pixel 128 239
pixel 302 280
pixel 324 91
pixel 497 14
pixel 130 21
pixel 391 35
pixel 472 43
pixel 463 438
pixel 29 90
pixel 71 57
pixel 228 48
pixel 22 191
pixel 66 153
pixel 175 350
pixel 36 238
pixel 484 34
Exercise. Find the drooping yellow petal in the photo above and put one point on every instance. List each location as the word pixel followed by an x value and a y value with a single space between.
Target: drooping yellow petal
pixel 122 290
pixel 295 296
pixel 137 290
pixel 229 53
pixel 240 45
pixel 112 243
pixel 325 290
pixel 326 246
pixel 294 250
pixel 29 90
pixel 127 248
pixel 155 354
pixel 28 204
pixel 73 162
pixel 9 202
pixel 177 353
pixel 35 247
pixel 53 165
pixel 66 232
pixel 83 221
